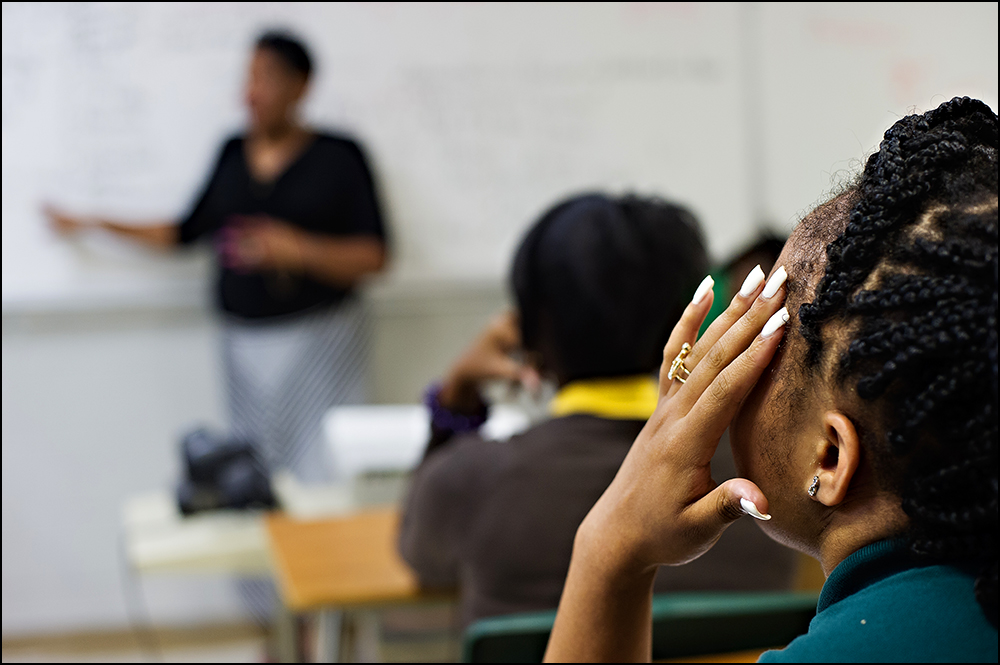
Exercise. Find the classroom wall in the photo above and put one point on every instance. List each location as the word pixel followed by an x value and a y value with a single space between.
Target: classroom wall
pixel 93 406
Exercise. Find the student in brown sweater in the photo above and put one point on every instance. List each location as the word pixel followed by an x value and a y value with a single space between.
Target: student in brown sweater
pixel 599 283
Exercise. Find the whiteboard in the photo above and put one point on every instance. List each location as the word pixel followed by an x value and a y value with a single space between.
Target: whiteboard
pixel 475 118
pixel 835 76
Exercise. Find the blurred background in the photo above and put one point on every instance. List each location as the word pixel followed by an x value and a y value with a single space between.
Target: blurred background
pixel 474 117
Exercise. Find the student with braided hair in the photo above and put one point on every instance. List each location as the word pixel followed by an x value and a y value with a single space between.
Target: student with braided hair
pixel 859 385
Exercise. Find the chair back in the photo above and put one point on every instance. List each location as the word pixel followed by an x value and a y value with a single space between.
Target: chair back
pixel 684 624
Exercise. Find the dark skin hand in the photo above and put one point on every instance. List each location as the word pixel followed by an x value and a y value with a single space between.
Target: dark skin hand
pixel 259 242
pixel 254 243
pixel 663 507
pixel 157 235
pixel 489 357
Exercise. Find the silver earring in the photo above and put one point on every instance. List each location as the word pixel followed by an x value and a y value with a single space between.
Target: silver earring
pixel 814 487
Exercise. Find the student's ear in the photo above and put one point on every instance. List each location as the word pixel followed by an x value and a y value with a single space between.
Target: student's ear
pixel 838 458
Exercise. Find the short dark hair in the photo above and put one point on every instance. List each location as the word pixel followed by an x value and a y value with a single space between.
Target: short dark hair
pixel 766 247
pixel 289 48
pixel 601 281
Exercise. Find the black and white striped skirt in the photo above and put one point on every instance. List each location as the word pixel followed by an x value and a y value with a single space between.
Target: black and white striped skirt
pixel 281 377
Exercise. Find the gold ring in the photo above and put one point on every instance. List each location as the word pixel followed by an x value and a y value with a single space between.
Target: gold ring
pixel 677 366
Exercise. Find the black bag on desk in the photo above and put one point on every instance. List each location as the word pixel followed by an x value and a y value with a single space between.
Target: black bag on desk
pixel 221 473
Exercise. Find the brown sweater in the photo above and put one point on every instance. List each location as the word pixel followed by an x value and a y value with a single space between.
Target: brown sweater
pixel 498 518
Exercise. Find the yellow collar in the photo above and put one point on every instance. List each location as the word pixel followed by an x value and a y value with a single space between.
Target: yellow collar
pixel 620 398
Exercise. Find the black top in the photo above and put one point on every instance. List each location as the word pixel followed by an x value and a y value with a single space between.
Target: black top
pixel 328 190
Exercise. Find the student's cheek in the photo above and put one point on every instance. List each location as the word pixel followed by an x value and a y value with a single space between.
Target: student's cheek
pixel 752 431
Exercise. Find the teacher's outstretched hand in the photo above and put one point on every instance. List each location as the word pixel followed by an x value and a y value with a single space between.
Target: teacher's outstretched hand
pixel 663 506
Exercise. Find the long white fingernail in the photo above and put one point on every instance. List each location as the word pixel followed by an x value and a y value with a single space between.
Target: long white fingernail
pixel 702 290
pixel 750 508
pixel 752 281
pixel 777 320
pixel 773 284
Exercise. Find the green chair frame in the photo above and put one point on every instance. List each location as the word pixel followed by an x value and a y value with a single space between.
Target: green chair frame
pixel 684 624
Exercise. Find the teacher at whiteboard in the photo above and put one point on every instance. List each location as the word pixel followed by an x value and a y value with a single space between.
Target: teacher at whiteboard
pixel 294 219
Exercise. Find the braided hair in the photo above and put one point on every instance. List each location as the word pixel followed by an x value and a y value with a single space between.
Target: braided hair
pixel 913 280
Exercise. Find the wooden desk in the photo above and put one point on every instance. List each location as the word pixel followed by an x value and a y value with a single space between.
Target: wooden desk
pixel 347 563
pixel 340 562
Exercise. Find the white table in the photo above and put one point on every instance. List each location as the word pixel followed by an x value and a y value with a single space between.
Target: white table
pixel 159 539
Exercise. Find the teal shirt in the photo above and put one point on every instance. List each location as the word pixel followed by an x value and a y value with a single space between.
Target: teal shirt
pixel 879 605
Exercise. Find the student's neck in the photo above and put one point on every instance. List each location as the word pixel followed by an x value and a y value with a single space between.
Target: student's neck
pixel 278 133
pixel 856 526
